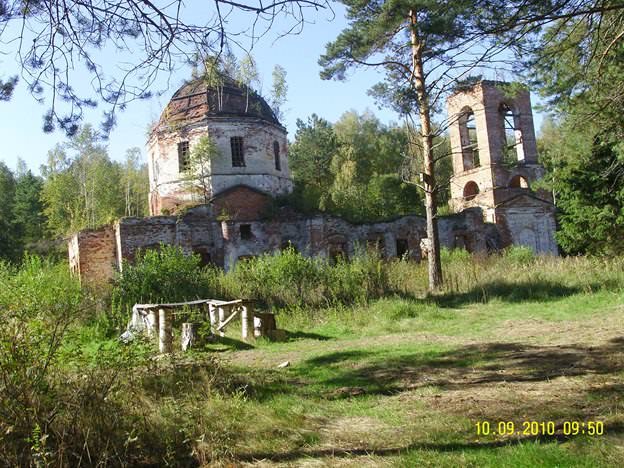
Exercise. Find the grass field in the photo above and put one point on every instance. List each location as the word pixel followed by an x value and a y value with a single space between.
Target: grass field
pixel 382 376
pixel 404 382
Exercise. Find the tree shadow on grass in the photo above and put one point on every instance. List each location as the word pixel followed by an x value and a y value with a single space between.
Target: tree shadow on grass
pixel 467 367
pixel 299 335
pixel 444 447
pixel 474 368
pixel 224 343
pixel 526 291
pixel 476 365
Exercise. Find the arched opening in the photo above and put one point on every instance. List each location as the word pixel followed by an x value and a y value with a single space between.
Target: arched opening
pixel 204 253
pixel 337 249
pixel 286 244
pixel 471 190
pixel 376 245
pixel 402 248
pixel 527 238
pixel 469 142
pixel 518 181
pixel 512 151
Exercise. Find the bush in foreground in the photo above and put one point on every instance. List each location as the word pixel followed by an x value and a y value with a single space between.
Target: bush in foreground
pixel 289 279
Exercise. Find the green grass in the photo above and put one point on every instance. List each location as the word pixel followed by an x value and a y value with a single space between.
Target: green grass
pixel 399 380
pixel 390 384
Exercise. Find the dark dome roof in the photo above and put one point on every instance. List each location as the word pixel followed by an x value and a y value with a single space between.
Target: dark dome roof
pixel 195 101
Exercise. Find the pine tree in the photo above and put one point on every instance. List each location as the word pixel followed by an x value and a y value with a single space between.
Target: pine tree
pixel 419 44
pixel 28 219
pixel 8 247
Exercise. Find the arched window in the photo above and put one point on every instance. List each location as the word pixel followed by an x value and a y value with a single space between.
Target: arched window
pixel 512 136
pixel 518 181
pixel 468 135
pixel 276 154
pixel 471 190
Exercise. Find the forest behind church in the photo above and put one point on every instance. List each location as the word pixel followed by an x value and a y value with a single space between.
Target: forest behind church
pixel 374 368
pixel 362 169
pixel 353 168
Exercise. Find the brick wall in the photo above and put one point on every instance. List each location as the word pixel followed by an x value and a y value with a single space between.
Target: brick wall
pixel 92 254
pixel 225 242
pixel 241 204
pixel 485 100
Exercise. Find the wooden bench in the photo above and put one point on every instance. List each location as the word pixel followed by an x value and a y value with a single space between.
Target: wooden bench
pixel 158 319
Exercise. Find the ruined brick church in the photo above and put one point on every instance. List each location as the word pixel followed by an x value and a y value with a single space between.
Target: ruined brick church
pixel 494 165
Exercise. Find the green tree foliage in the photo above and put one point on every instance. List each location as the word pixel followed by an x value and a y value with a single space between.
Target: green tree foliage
pixel 84 189
pixel 367 185
pixel 28 218
pixel 134 181
pixel 378 149
pixel 21 213
pixel 585 175
pixel 199 167
pixel 279 91
pixel 419 44
pixel 248 76
pixel 310 158
pixel 351 168
pixel 7 199
pixel 579 66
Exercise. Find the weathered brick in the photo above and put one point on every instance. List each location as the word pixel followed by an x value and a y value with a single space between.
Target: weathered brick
pixel 234 224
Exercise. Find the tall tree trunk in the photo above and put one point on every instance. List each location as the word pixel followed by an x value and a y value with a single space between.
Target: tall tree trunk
pixel 424 110
pixel 128 211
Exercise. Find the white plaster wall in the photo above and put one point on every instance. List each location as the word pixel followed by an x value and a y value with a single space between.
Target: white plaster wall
pixel 541 224
pixel 259 170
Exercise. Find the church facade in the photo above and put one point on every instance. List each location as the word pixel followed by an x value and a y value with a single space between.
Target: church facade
pixel 491 191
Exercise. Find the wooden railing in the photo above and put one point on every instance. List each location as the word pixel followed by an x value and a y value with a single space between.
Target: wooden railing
pixel 158 319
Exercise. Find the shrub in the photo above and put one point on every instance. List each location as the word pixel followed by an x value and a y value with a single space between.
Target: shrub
pixel 278 279
pixel 39 302
pixel 519 254
pixel 363 278
pixel 64 402
pixel 164 275
pixel 448 256
pixel 289 279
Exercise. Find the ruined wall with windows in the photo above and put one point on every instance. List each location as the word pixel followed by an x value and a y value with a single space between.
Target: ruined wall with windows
pixel 495 162
pixel 494 167
pixel 225 242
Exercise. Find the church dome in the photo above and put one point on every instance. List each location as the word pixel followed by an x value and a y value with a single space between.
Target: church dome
pixel 195 102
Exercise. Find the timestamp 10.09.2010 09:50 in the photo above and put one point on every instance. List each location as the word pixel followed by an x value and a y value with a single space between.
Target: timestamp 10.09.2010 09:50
pixel 539 428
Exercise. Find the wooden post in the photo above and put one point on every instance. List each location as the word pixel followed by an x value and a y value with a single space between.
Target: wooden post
pixel 247 321
pixel 264 324
pixel 244 322
pixel 213 315
pixel 165 343
pixel 152 322
pixel 189 335
pixel 221 319
pixel 137 319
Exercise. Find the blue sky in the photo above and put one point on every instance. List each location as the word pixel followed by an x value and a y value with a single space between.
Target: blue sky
pixel 21 134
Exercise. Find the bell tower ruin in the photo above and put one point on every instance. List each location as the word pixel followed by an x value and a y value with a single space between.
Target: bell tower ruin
pixel 495 163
